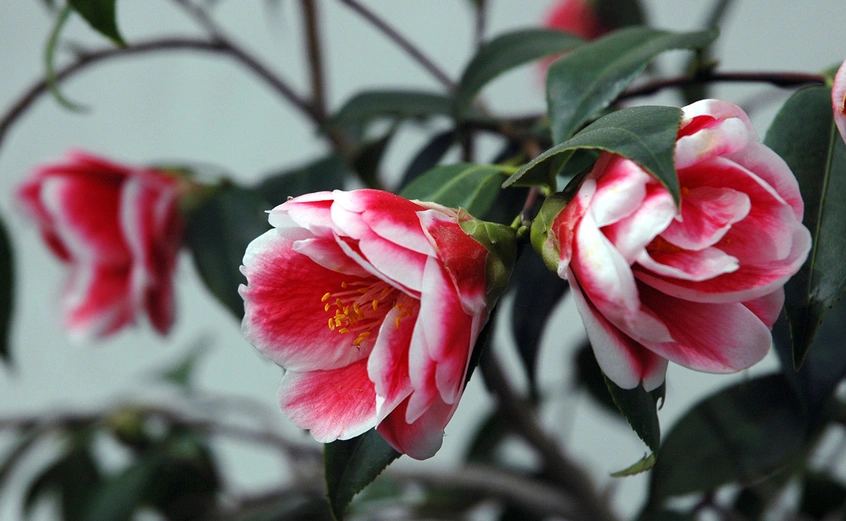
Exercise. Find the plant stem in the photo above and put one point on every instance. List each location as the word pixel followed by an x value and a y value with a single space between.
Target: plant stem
pixel 573 479
pixel 779 79
pixel 402 42
pixel 315 57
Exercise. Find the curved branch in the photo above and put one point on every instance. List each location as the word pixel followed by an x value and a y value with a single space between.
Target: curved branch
pixel 779 79
pixel 89 58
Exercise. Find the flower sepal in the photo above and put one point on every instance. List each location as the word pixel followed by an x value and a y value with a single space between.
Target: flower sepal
pixel 501 243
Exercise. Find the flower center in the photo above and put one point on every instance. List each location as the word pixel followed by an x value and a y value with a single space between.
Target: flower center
pixel 361 306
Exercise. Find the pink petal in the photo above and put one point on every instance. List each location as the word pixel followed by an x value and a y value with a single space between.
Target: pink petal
pixel 284 312
pixel 396 263
pixel 838 100
pixel 96 301
pixel 624 361
pixel 631 234
pixel 329 254
pixel 768 307
pixel 463 258
pixel 773 171
pixel 620 189
pixel 566 222
pixel 422 438
pixel 707 213
pixel 337 404
pixel 689 265
pixel 309 212
pixel 575 17
pixel 387 366
pixel 716 338
pixel 608 282
pixel 709 129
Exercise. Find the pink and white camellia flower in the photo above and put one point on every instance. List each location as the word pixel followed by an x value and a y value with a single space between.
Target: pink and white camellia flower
pixel 119 229
pixel 372 304
pixel 838 100
pixel 700 286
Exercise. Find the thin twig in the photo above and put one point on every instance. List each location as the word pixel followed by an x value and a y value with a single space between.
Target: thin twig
pixel 315 56
pixel 779 79
pixel 572 478
pixel 402 42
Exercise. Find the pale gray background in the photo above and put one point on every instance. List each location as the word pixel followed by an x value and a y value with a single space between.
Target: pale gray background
pixel 203 108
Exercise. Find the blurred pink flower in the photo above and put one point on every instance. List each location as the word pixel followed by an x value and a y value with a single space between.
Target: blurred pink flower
pixel 576 17
pixel 701 286
pixel 838 100
pixel 372 303
pixel 119 229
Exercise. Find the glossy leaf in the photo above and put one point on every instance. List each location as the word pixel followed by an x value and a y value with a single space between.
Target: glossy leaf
pixel 7 292
pixel 586 81
pixel 328 173
pixel 218 234
pixel 739 435
pixel 804 134
pixel 506 52
pixel 461 185
pixel 640 408
pixel 351 465
pixel 647 135
pixel 429 156
pixel 395 104
pixel 101 16
pixel 536 295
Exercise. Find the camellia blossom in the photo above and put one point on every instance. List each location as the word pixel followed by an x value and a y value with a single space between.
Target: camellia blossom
pixel 119 229
pixel 576 17
pixel 372 304
pixel 700 286
pixel 838 100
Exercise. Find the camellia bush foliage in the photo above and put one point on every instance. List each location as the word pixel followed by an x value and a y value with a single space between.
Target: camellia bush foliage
pixel 683 234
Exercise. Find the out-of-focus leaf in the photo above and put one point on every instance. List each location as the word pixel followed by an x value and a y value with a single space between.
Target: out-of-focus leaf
pixel 182 371
pixel 301 507
pixel 185 482
pixel 428 156
pixel 537 293
pixel 75 477
pixel 615 14
pixel 26 440
pixel 461 185
pixel 641 465
pixel 121 495
pixel 367 159
pixel 586 81
pixel 328 173
pixel 821 496
pixel 737 435
pixel 490 434
pixel 394 104
pixel 50 62
pixel 101 16
pixel 666 515
pixel 646 135
pixel 506 52
pixel 7 292
pixel 218 234
pixel 804 134
pixel 351 465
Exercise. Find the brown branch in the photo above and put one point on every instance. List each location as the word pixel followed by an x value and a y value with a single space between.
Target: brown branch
pixel 779 79
pixel 87 59
pixel 573 479
pixel 402 42
pixel 315 57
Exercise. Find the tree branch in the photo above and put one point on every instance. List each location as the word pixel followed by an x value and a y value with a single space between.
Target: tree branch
pixel 779 79
pixel 315 57
pixel 402 42
pixel 572 478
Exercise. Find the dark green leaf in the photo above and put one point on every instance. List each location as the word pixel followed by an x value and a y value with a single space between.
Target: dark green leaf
pixel 101 16
pixel 428 156
pixel 7 292
pixel 328 173
pixel 640 408
pixel 185 482
pixel 26 440
pixel 586 81
pixel 394 104
pixel 737 435
pixel 821 495
pixel 299 507
pixel 666 515
pixel 181 372
pixel 461 185
pixel 506 52
pixel 218 234
pixel 646 135
pixel 804 134
pixel 619 13
pixel 641 465
pixel 120 496
pixel 351 465
pixel 589 376
pixel 490 434
pixel 74 477
pixel 537 293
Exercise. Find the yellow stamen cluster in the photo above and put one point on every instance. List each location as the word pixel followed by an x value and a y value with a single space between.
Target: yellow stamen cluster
pixel 357 307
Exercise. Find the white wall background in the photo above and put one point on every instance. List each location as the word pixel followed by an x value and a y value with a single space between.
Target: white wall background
pixel 204 108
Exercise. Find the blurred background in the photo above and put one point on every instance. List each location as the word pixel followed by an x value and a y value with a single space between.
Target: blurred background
pixel 205 109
